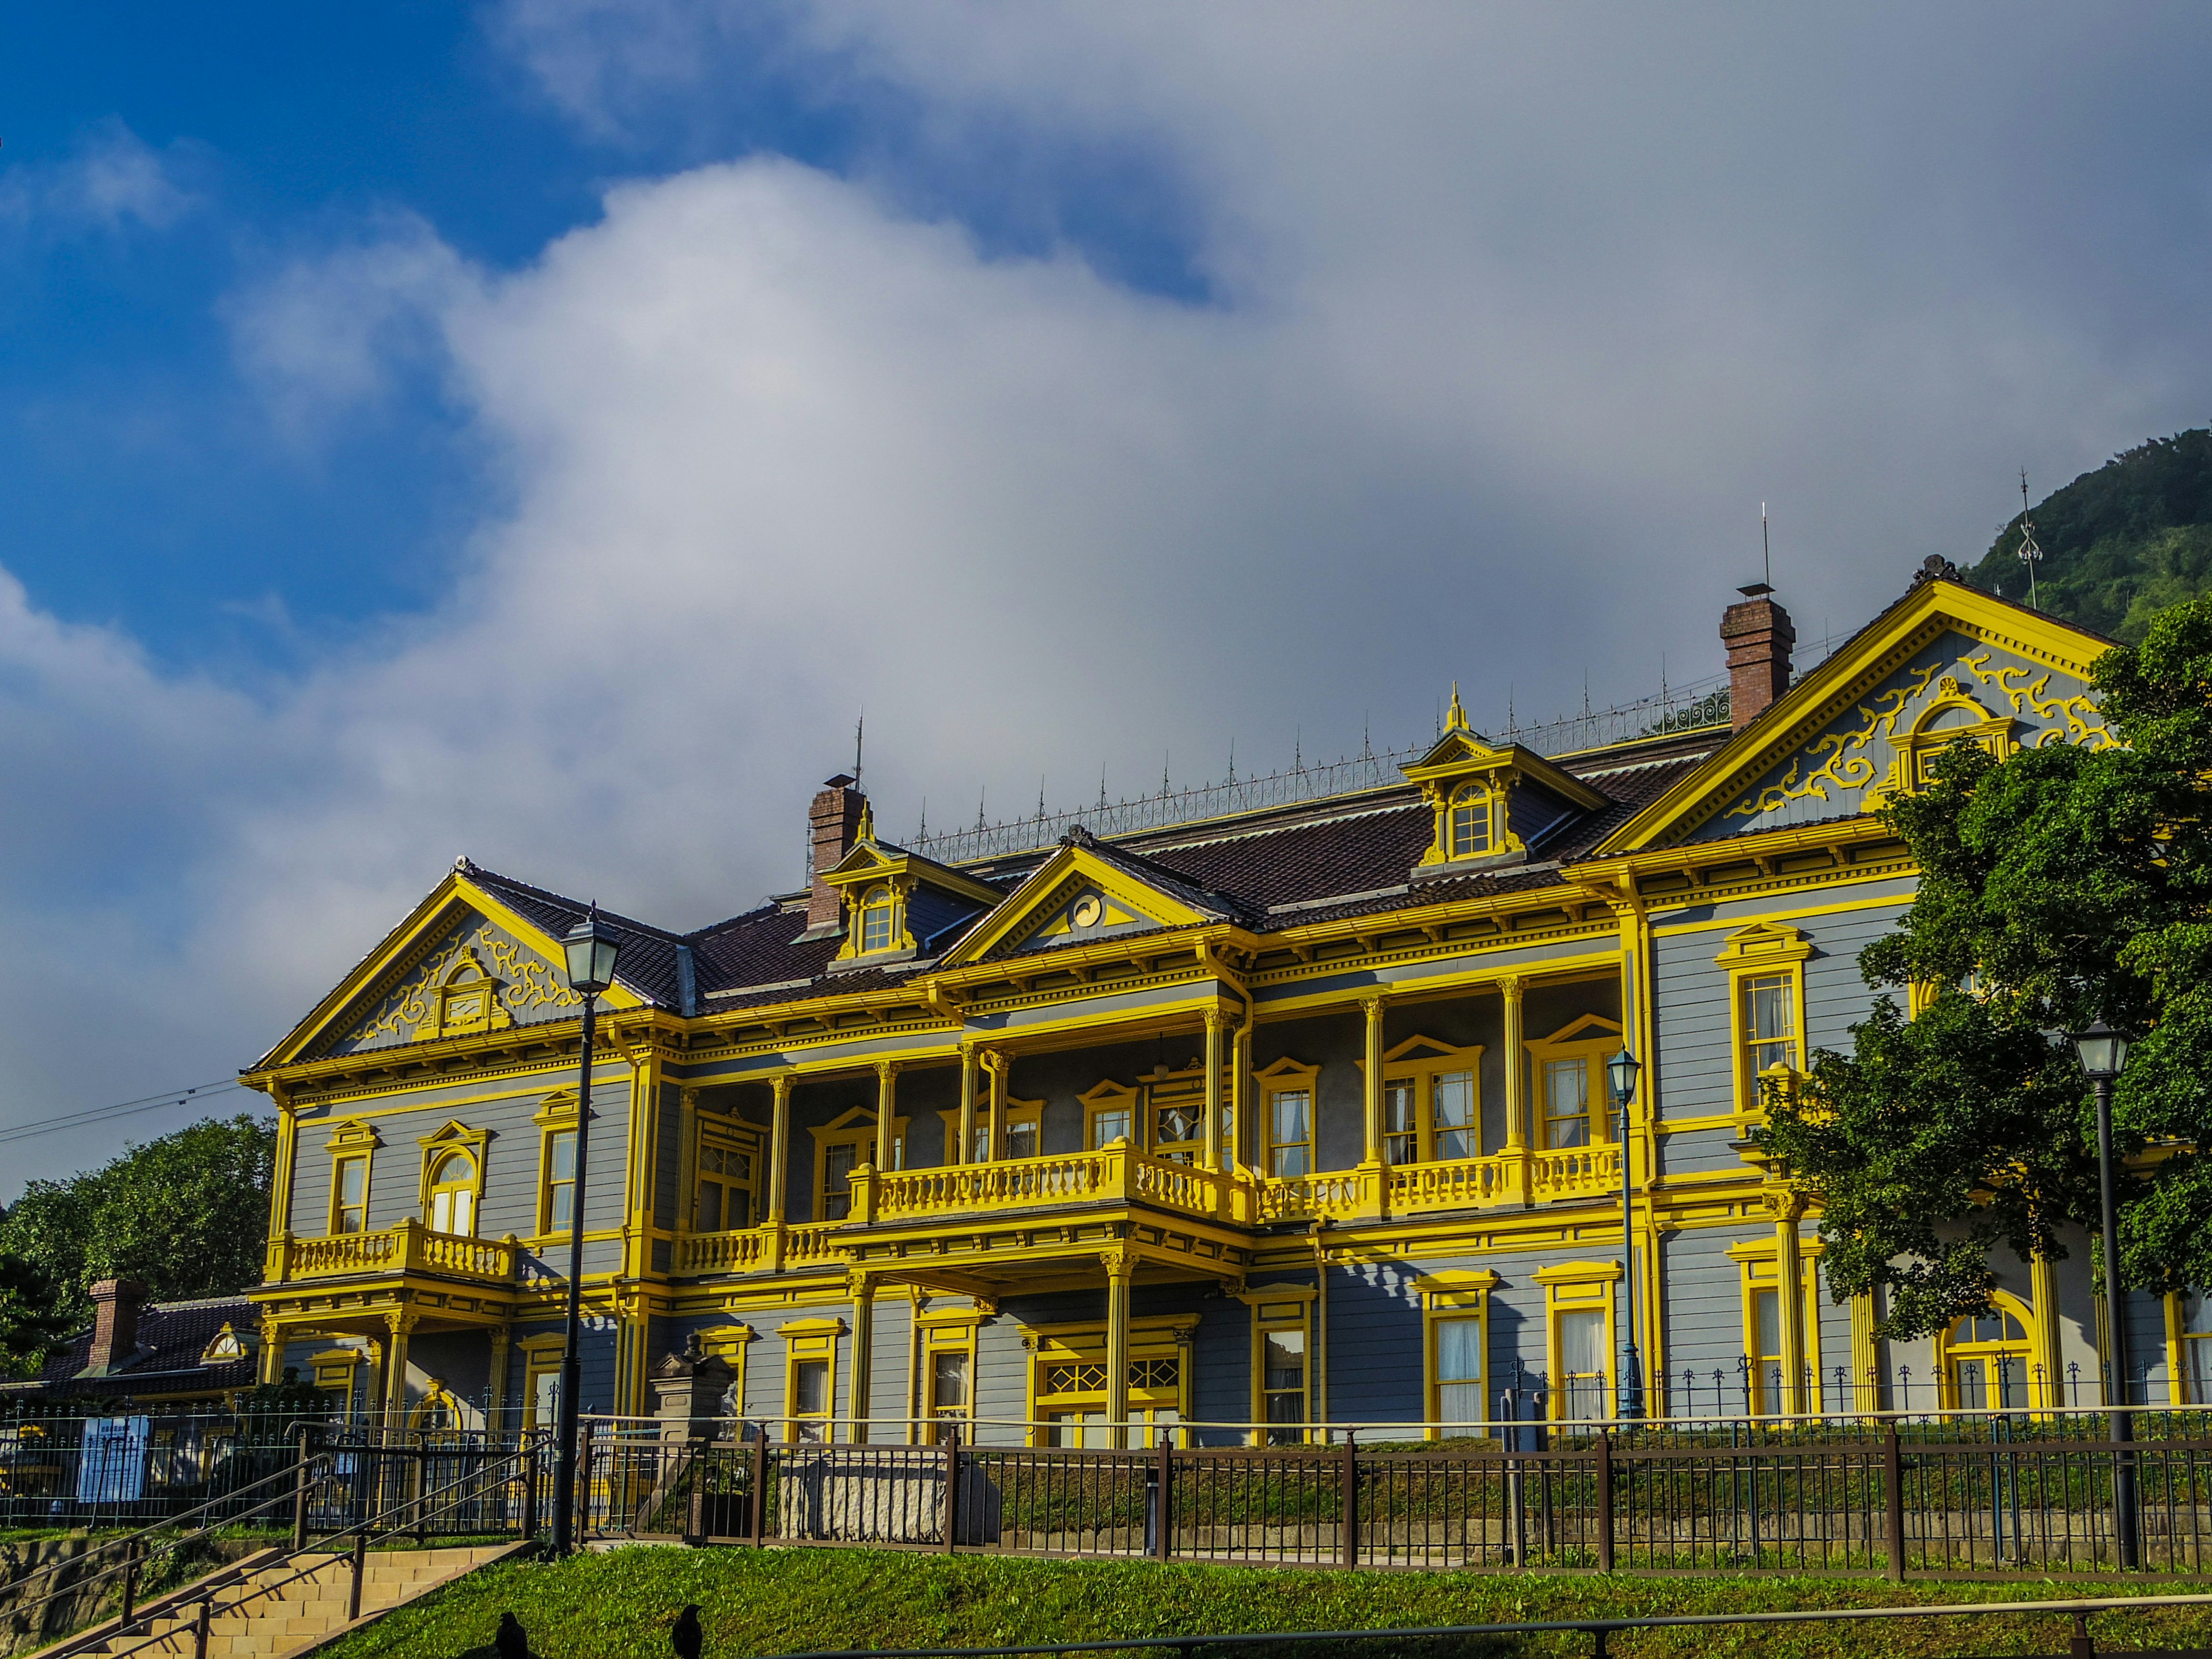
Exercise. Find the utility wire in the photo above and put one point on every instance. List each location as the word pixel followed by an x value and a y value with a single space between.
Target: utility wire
pixel 198 1093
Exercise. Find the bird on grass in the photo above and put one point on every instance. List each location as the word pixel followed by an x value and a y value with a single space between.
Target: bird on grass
pixel 511 1641
pixel 684 1635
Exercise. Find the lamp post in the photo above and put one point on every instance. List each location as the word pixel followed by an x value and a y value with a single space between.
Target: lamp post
pixel 2102 1052
pixel 590 949
pixel 1620 1073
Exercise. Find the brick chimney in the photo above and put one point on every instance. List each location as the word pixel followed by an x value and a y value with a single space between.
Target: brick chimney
pixel 115 1305
pixel 835 822
pixel 1759 637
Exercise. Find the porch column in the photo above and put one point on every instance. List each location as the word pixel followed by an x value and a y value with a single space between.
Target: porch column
pixel 401 1325
pixel 1121 1267
pixel 886 1110
pixel 779 1148
pixel 495 1396
pixel 996 1065
pixel 965 1152
pixel 272 1351
pixel 1372 1007
pixel 1239 1097
pixel 862 1289
pixel 1215 1020
pixel 1516 1093
pixel 687 1162
pixel 1790 1292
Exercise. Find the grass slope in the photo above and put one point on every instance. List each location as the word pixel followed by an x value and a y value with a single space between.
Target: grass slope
pixel 618 1606
pixel 2119 544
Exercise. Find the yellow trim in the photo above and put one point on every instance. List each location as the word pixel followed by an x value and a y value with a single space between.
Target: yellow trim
pixel 1018 1113
pixel 1278 1309
pixel 2030 1347
pixel 855 1127
pixel 1422 1060
pixel 1040 896
pixel 1569 1042
pixel 1084 1342
pixel 1453 1296
pixel 429 921
pixel 438 1146
pixel 2177 1338
pixel 1107 1097
pixel 1765 949
pixel 1286 1076
pixel 1930 609
pixel 1572 1287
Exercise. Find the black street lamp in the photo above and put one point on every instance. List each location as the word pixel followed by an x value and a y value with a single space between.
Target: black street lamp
pixel 2102 1052
pixel 1620 1073
pixel 591 949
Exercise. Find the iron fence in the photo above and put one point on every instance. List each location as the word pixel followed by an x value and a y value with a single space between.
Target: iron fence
pixel 1869 1495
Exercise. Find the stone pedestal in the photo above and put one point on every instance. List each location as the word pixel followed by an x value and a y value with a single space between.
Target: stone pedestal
pixel 687 1394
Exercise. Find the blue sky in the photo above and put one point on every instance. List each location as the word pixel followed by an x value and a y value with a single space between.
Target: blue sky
pixel 537 429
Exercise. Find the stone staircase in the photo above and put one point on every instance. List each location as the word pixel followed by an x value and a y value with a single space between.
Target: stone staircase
pixel 276 1606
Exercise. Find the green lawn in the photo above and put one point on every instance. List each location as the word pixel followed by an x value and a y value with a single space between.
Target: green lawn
pixel 618 1606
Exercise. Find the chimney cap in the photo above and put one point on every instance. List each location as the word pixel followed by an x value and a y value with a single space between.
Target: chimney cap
pixel 1755 590
pixel 842 780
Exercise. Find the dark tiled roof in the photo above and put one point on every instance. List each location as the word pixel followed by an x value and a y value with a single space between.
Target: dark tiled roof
pixel 1277 869
pixel 172 1337
pixel 647 961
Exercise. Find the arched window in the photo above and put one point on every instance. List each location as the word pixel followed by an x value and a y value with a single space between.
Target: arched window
pixel 1988 1362
pixel 1470 821
pixel 453 1195
pixel 876 920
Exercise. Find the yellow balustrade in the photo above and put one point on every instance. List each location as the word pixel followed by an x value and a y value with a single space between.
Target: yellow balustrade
pixel 408 1248
pixel 751 1249
pixel 1334 1192
pixel 1580 1172
pixel 1114 1174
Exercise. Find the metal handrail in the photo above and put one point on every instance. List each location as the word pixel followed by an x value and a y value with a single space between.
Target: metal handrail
pixel 1599 1628
pixel 361 1531
pixel 132 1562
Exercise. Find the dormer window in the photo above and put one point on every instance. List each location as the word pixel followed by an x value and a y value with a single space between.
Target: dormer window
pixel 1470 821
pixel 877 918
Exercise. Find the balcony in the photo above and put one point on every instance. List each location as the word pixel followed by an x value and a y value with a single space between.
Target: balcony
pixel 409 1248
pixel 1121 1175
pixel 1463 1184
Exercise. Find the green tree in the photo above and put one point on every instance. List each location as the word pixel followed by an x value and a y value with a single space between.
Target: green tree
pixel 188 1215
pixel 31 1321
pixel 2058 885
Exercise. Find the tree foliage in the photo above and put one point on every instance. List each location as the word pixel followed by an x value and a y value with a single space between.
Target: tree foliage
pixel 2119 544
pixel 30 1319
pixel 2058 885
pixel 187 1214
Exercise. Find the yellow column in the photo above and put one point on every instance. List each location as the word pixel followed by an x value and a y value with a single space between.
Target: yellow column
pixel 1121 1267
pixel 401 1325
pixel 965 1151
pixel 887 1111
pixel 1372 1007
pixel 1240 1096
pixel 1216 1019
pixel 2043 1291
pixel 1790 1292
pixel 1516 1091
pixel 280 1186
pixel 496 1397
pixel 863 1291
pixel 687 1161
pixel 272 1351
pixel 996 1065
pixel 1862 1394
pixel 779 1147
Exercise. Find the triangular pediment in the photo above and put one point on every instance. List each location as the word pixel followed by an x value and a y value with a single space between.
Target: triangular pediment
pixel 463 963
pixel 1079 896
pixel 1945 662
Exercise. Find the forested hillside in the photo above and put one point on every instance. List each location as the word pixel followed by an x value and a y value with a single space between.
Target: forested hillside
pixel 2119 544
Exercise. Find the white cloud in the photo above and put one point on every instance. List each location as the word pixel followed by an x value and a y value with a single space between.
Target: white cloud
pixel 111 180
pixel 1509 326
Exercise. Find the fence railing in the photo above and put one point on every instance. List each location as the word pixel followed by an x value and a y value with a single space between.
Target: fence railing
pixel 1878 1496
